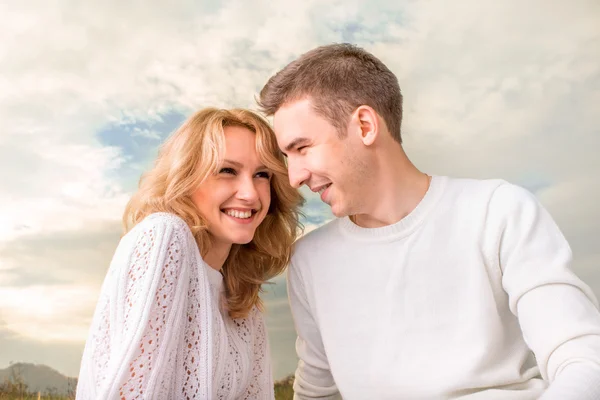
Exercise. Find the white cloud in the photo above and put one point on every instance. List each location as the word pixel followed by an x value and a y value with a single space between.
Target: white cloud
pixel 48 313
pixel 78 256
pixel 53 186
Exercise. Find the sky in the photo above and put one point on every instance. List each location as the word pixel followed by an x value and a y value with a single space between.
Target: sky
pixel 89 90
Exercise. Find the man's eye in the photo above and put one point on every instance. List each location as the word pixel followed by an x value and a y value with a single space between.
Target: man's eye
pixel 227 171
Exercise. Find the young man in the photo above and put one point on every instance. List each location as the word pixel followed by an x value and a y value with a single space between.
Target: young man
pixel 424 287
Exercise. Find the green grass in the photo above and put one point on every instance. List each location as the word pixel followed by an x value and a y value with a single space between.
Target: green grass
pixel 12 396
pixel 283 389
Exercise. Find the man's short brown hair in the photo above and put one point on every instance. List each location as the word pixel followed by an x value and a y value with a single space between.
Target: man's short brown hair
pixel 338 78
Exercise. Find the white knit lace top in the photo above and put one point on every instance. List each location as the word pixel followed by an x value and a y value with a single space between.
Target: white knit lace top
pixel 160 330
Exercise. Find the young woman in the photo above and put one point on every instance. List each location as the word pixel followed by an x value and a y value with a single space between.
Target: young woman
pixel 179 314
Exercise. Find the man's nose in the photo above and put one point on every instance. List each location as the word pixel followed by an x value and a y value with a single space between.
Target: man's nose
pixel 297 174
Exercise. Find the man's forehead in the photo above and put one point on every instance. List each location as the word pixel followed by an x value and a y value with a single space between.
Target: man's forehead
pixel 296 106
pixel 293 115
pixel 286 127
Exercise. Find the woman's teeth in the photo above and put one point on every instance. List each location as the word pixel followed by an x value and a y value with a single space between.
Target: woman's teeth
pixel 239 214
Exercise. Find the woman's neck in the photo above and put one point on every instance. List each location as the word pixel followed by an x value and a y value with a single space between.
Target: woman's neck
pixel 217 255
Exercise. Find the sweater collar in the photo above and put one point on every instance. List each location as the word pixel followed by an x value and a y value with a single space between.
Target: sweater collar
pixel 403 227
pixel 214 277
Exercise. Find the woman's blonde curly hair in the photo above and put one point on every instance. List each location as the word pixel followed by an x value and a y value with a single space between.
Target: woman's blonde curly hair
pixel 190 155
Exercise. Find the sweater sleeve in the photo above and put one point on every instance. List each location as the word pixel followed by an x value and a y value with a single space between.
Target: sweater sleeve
pixel 150 310
pixel 261 383
pixel 313 378
pixel 557 312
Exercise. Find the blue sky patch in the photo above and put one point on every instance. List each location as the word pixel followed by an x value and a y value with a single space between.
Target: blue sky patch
pixel 136 138
pixel 138 141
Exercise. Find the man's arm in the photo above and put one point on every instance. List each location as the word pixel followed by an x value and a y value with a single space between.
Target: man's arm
pixel 557 312
pixel 576 380
pixel 313 378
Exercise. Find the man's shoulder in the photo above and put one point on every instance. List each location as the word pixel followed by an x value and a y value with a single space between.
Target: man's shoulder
pixel 491 188
pixel 318 238
pixel 470 185
pixel 477 191
pixel 496 198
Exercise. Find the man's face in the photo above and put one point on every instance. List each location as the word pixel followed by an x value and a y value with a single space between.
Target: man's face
pixel 319 158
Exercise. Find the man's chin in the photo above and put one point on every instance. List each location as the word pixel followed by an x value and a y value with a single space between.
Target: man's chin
pixel 338 212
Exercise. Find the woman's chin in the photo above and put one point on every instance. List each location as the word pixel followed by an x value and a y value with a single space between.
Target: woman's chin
pixel 242 239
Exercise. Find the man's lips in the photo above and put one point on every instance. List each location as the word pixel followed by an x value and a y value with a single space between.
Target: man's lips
pixel 321 188
pixel 323 192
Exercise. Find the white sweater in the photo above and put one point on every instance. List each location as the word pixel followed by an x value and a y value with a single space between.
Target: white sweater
pixel 458 300
pixel 160 330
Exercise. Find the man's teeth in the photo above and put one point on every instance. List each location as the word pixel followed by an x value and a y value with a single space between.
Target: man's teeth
pixel 323 189
pixel 239 214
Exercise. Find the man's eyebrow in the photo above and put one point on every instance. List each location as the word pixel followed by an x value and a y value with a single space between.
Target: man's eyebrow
pixel 296 142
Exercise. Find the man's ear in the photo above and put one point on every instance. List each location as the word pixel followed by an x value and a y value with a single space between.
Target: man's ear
pixel 366 124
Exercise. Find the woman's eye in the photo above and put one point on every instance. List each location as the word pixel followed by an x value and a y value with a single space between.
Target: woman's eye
pixel 227 171
pixel 264 174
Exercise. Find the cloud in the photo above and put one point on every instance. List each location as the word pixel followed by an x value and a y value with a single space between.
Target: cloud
pixel 51 283
pixel 573 204
pixel 79 256
pixel 51 186
pixel 48 313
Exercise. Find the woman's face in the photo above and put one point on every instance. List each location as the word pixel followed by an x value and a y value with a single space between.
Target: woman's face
pixel 236 200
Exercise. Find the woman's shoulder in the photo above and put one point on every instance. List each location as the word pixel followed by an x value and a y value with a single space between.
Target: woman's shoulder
pixel 159 224
pixel 256 313
pixel 163 220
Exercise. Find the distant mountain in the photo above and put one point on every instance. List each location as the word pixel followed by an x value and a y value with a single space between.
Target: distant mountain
pixel 40 378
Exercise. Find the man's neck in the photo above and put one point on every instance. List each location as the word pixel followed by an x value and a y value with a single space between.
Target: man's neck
pixel 400 187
